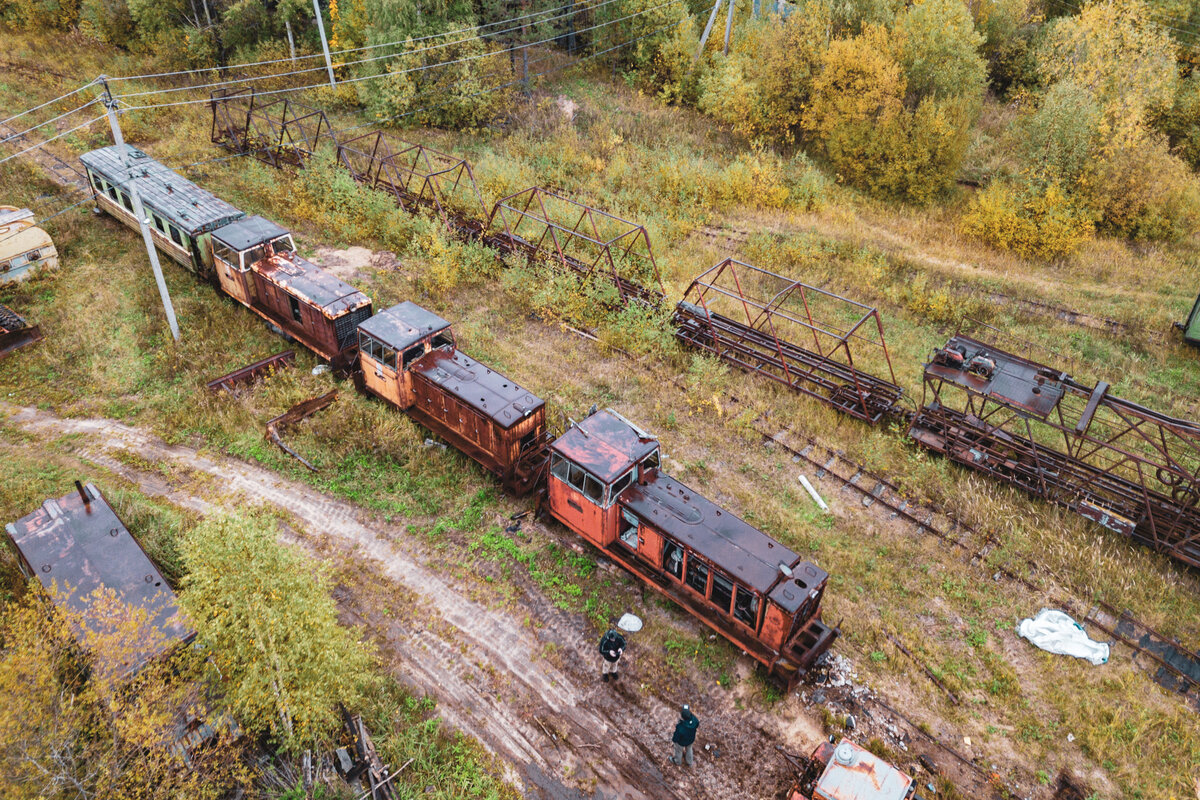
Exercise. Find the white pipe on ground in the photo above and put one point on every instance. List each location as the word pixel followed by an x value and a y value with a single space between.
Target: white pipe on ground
pixel 816 497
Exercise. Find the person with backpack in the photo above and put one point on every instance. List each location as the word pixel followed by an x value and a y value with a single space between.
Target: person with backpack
pixel 685 736
pixel 612 646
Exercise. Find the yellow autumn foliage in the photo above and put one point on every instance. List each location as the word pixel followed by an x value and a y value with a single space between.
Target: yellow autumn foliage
pixel 1044 224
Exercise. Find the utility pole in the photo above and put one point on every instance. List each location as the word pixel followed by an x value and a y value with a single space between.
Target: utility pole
pixel 728 26
pixel 292 42
pixel 707 30
pixel 138 211
pixel 324 42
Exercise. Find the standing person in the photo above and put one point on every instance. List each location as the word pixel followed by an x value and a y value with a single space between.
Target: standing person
pixel 612 645
pixel 685 736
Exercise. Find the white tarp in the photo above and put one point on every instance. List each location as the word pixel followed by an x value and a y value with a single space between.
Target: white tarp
pixel 1056 632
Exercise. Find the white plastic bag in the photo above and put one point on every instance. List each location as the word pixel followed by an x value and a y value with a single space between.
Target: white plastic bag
pixel 1056 632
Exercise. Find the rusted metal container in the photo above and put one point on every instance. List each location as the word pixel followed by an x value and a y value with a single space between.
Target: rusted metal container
pixel 1133 470
pixel 75 546
pixel 605 484
pixel 275 130
pixel 15 332
pixel 24 247
pixel 854 773
pixel 408 357
pixel 813 341
pixel 181 215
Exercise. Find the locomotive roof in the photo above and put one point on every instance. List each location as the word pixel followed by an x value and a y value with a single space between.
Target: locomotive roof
pixel 1016 381
pixel 403 325
pixel 170 194
pixel 481 388
pixel 308 282
pixel 744 552
pixel 83 547
pixel 248 232
pixel 605 444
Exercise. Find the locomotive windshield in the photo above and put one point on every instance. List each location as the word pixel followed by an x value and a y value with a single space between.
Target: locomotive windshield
pixel 283 244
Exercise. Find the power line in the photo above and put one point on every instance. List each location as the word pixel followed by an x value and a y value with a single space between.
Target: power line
pixel 478 36
pixel 421 68
pixel 51 139
pixel 47 103
pixel 47 122
pixel 349 50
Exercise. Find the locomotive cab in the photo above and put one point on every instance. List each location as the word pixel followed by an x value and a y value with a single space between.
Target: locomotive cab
pixel 409 358
pixel 239 246
pixel 606 484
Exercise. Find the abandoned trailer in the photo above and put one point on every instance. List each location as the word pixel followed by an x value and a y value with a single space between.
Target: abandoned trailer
pixel 24 247
pixel 77 547
pixel 408 357
pixel 606 484
pixel 180 214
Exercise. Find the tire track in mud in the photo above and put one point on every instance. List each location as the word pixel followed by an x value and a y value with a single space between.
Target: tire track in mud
pixel 543 721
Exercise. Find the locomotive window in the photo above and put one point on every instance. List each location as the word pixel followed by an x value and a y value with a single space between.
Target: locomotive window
pixel 559 466
pixel 283 244
pixel 443 339
pixel 629 529
pixel 295 304
pixel 112 192
pixel 593 489
pixel 673 559
pixel 746 607
pixel 575 477
pixel 622 483
pixel 722 593
pixel 650 461
pixel 175 237
pixel 697 575
pixel 158 223
pixel 223 252
pixel 255 254
pixel 387 355
pixel 125 201
pixel 97 184
pixel 412 354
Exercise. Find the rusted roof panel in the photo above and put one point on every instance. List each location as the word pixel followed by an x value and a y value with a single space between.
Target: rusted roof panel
pixel 83 547
pixel 308 282
pixel 403 325
pixel 854 773
pixel 746 553
pixel 170 194
pixel 605 444
pixel 483 389
pixel 1017 381
pixel 248 232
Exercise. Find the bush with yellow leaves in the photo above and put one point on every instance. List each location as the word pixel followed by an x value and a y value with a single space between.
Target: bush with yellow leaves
pixel 1033 222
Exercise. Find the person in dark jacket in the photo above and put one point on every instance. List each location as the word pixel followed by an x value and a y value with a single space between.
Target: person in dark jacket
pixel 685 736
pixel 612 645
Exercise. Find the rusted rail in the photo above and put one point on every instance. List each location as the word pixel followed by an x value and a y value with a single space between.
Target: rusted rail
pixel 252 372
pixel 792 333
pixel 293 415
pixel 15 332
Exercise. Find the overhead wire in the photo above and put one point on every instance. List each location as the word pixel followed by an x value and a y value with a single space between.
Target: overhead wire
pixel 32 128
pixel 420 68
pixel 51 139
pixel 351 49
pixel 48 103
pixel 321 68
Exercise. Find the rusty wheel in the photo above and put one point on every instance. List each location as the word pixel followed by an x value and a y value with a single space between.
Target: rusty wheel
pixel 1167 477
pixel 1186 496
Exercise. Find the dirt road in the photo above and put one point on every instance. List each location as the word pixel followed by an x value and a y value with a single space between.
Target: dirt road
pixel 562 733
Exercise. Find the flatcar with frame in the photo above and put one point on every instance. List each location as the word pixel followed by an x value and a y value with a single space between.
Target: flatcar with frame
pixel 606 484
pixel 181 215
pixel 408 357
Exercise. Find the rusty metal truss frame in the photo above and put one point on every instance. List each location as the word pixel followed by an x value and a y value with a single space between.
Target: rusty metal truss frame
pixel 415 176
pixel 276 131
pixel 806 338
pixel 1127 467
pixel 576 238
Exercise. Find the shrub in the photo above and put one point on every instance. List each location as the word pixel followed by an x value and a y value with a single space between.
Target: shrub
pixel 1181 122
pixel 1144 193
pixel 1007 42
pixel 41 14
pixel 1059 140
pixel 1036 223
pixel 939 51
pixel 108 21
pixel 650 27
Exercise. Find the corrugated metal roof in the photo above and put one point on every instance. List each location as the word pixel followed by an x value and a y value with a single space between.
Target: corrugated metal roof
pixel 750 556
pixel 173 196
pixel 481 388
pixel 402 325
pixel 248 231
pixel 308 282
pixel 81 548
